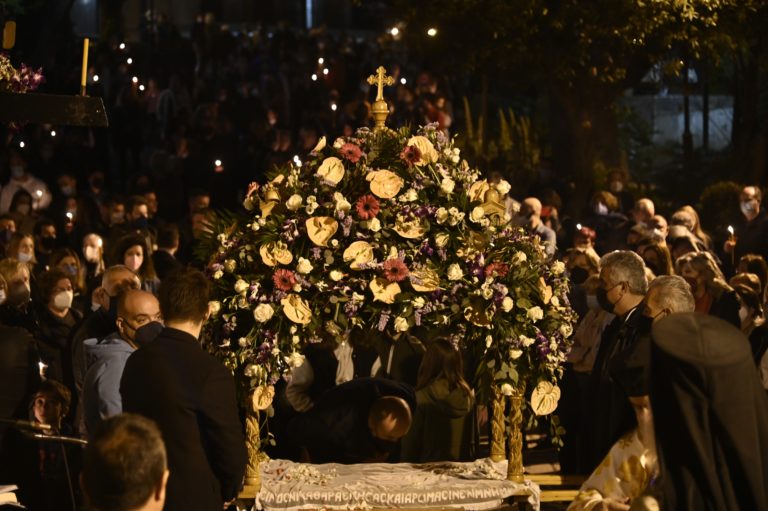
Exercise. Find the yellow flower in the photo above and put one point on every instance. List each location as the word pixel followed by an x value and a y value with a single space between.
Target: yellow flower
pixel 321 229
pixel 331 170
pixel 477 191
pixel 544 398
pixel 384 183
pixel 383 290
pixel 546 291
pixel 410 229
pixel 424 280
pixel 428 152
pixel 296 309
pixel 275 253
pixel 320 145
pixel 359 252
pixel 263 396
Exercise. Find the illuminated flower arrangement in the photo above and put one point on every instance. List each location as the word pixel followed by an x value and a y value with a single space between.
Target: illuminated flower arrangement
pixel 22 80
pixel 385 231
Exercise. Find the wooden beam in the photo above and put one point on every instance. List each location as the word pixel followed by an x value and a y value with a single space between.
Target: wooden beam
pixel 52 109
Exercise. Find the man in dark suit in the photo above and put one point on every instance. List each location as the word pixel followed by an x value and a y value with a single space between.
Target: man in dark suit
pixel 191 396
pixel 164 258
pixel 360 421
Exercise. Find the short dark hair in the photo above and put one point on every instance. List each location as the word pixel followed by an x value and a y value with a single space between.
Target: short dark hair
pixel 135 200
pixel 37 230
pixel 56 391
pixel 167 236
pixel 47 281
pixel 124 462
pixel 183 296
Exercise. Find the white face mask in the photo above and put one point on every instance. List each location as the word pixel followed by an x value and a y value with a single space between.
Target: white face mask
pixel 2 296
pixel 91 254
pixel 601 209
pixel 24 257
pixel 63 300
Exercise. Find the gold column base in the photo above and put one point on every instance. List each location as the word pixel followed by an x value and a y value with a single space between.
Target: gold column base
pixel 515 469
pixel 498 452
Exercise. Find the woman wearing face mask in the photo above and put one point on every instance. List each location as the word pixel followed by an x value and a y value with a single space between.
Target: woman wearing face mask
pixel 751 312
pixel 580 264
pixel 66 260
pixel 712 293
pixel 93 255
pixel 57 319
pixel 657 258
pixel 575 385
pixel 609 224
pixel 22 248
pixel 132 251
pixel 16 309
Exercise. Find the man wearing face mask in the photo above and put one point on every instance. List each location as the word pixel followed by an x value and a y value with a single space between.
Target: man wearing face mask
pixel 622 288
pixel 609 485
pixel 45 242
pixel 16 309
pixel 751 232
pixel 102 321
pixel 137 223
pixel 22 179
pixel 529 217
pixel 138 322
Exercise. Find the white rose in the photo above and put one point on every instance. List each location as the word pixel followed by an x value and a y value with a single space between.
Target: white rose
pixel 506 389
pixel 558 267
pixel 263 312
pixel 487 293
pixel 294 202
pixel 218 274
pixel 454 272
pixel 401 324
pixel 515 354
pixel 214 307
pixel 535 313
pixel 519 257
pixel 477 214
pixel 294 359
pixel 241 286
pixel 566 330
pixel 507 303
pixel 409 196
pixel 304 266
pixel 441 215
pixel 488 341
pixel 503 187
pixel 336 275
pixel 447 185
pixel 374 225
pixel 242 342
pixel 526 341
pixel 441 239
pixel 418 302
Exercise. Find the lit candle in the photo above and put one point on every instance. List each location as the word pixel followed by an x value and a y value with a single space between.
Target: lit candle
pixel 42 367
pixel 84 71
pixel 730 231
pixel 732 239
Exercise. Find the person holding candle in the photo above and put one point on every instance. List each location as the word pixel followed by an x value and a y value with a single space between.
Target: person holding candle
pixel 22 179
pixel 751 232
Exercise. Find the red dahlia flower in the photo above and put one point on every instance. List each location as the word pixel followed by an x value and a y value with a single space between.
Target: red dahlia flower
pixel 500 269
pixel 367 207
pixel 411 155
pixel 284 279
pixel 351 152
pixel 395 270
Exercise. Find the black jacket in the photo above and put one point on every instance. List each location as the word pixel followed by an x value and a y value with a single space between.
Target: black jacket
pixel 191 396
pixel 164 263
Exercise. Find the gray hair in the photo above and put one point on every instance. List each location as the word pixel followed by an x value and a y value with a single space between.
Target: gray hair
pixel 671 292
pixel 625 266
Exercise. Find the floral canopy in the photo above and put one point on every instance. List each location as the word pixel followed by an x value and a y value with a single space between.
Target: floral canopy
pixel 387 231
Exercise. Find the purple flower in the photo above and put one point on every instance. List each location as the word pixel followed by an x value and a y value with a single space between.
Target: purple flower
pixel 383 320
pixel 317 253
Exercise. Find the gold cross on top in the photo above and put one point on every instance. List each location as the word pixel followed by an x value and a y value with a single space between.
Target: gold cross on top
pixel 380 79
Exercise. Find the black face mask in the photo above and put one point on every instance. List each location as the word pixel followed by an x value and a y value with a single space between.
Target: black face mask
pixel 602 299
pixel 5 236
pixel 18 295
pixel 48 243
pixel 112 312
pixel 141 223
pixel 579 275
pixel 383 446
pixel 147 333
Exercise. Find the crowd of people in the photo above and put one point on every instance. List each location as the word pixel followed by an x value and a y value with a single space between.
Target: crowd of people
pixel 101 307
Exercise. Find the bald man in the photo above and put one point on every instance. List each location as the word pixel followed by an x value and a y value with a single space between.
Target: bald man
pixel 101 322
pixel 529 217
pixel 138 322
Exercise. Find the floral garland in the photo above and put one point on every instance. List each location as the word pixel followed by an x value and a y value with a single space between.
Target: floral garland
pixel 386 231
pixel 20 80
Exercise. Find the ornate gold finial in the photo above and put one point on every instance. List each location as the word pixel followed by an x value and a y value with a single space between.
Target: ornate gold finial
pixel 380 110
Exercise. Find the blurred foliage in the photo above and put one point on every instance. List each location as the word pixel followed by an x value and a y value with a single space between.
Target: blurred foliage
pixel 513 150
pixel 719 206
